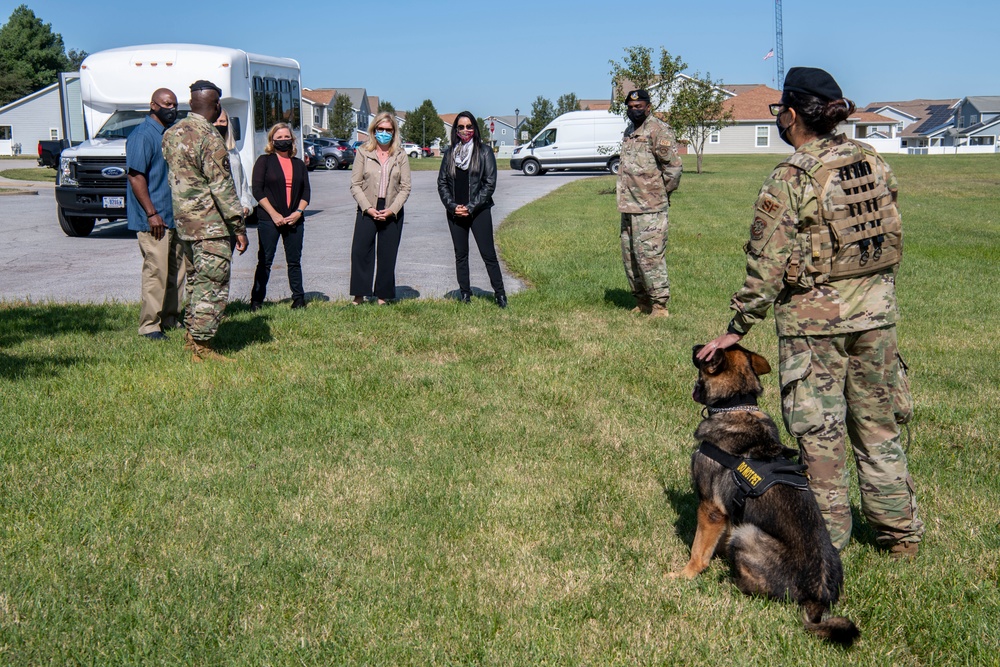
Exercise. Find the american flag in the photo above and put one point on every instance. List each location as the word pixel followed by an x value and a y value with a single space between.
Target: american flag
pixel 770 54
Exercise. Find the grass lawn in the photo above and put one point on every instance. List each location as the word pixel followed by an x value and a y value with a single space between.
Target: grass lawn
pixel 433 483
pixel 37 174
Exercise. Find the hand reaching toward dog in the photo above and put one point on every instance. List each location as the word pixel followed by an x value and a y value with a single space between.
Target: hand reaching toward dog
pixel 720 343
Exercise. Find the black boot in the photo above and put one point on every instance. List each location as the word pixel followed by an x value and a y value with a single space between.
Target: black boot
pixel 299 303
pixel 465 297
pixel 501 300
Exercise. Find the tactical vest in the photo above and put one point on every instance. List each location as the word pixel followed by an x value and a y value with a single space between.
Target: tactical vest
pixel 754 477
pixel 858 232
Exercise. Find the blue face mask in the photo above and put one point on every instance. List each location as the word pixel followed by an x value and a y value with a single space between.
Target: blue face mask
pixel 383 137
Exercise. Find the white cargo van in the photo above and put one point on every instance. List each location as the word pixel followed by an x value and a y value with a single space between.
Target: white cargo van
pixel 574 140
pixel 257 91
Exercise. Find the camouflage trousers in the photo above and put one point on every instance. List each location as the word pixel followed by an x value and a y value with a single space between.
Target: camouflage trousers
pixel 644 246
pixel 835 388
pixel 209 263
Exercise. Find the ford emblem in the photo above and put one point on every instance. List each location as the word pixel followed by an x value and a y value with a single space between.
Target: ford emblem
pixel 112 172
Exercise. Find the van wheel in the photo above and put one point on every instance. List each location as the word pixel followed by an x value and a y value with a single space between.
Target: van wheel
pixel 614 165
pixel 75 225
pixel 531 168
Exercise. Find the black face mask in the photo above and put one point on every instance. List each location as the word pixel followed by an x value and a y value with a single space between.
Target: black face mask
pixel 283 145
pixel 637 116
pixel 166 116
pixel 223 130
pixel 782 131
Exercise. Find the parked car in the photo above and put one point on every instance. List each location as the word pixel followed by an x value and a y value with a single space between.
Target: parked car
pixel 412 149
pixel 427 151
pixel 311 157
pixel 333 153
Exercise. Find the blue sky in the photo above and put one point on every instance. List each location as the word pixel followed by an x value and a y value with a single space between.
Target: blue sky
pixel 493 57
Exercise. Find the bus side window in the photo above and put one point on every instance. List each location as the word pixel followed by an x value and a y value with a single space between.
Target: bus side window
pixel 259 105
pixel 296 110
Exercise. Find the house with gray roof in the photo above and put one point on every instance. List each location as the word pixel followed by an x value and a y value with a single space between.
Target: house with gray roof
pixel 977 124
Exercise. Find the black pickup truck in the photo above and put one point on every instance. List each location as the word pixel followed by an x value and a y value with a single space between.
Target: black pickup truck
pixel 49 152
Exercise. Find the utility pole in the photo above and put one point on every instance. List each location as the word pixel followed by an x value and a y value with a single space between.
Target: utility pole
pixel 779 49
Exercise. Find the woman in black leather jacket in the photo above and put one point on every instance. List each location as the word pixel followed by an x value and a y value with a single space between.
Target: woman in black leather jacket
pixel 466 182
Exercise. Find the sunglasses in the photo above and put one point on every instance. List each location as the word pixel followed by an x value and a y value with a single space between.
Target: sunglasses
pixel 464 127
pixel 776 109
pixel 384 129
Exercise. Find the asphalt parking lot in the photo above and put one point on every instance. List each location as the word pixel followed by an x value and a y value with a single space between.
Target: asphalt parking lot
pixel 40 263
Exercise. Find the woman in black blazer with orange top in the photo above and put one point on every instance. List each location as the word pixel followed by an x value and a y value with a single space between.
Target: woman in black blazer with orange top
pixel 281 186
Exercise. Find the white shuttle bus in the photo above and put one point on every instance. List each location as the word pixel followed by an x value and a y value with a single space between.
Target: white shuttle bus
pixel 116 86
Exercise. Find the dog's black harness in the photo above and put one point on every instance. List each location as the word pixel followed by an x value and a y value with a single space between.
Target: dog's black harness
pixel 754 477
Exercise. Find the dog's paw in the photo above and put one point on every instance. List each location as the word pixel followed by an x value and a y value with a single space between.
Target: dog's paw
pixel 686 573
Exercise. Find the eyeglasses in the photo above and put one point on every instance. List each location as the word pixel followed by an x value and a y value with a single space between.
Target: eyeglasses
pixel 776 109
pixel 464 127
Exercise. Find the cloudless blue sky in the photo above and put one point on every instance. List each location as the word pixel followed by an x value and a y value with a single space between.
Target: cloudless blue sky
pixel 491 57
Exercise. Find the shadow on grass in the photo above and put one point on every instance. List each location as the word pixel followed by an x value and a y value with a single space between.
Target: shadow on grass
pixel 619 298
pixel 685 504
pixel 234 336
pixel 22 322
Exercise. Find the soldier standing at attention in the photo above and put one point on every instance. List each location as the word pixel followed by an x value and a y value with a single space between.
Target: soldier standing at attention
pixel 650 171
pixel 825 245
pixel 207 210
pixel 150 215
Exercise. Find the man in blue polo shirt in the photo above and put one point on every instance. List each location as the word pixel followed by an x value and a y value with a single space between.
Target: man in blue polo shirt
pixel 150 214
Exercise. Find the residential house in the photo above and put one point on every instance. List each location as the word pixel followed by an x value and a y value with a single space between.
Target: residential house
pixel 921 125
pixel 594 105
pixel 504 130
pixel 977 124
pixel 754 130
pixel 318 103
pixel 39 116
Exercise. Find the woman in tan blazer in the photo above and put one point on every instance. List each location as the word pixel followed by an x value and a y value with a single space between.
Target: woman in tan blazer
pixel 380 184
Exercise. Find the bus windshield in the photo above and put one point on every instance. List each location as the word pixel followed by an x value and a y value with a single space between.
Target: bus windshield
pixel 121 124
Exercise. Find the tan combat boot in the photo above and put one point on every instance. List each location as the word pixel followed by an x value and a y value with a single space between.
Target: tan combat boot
pixel 643 305
pixel 189 343
pixel 202 351
pixel 904 550
pixel 659 310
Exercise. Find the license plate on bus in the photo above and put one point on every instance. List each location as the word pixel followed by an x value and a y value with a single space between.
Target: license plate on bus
pixel 114 202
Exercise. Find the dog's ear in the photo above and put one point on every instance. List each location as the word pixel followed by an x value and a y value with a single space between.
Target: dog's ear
pixel 694 355
pixel 717 363
pixel 759 364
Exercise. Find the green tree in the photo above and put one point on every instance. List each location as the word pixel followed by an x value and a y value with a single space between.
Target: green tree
pixel 637 70
pixel 31 55
pixel 423 125
pixel 542 113
pixel 76 58
pixel 341 118
pixel 567 103
pixel 386 105
pixel 697 111
pixel 484 130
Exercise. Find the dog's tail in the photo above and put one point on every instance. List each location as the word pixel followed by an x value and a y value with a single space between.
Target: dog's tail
pixel 834 629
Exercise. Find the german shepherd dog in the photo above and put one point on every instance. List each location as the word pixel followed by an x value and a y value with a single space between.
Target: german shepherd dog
pixel 777 543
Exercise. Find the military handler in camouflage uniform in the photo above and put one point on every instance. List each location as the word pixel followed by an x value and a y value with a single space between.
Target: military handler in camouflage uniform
pixel 206 211
pixel 649 171
pixel 825 244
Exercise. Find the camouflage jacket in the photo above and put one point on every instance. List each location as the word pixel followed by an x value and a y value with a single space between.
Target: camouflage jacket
pixel 788 204
pixel 650 167
pixel 206 205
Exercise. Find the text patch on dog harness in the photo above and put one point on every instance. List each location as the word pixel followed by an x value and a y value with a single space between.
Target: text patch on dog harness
pixel 754 478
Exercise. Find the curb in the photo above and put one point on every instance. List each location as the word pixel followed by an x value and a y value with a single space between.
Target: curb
pixel 10 192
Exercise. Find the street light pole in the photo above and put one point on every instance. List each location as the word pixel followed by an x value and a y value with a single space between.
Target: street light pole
pixel 517 116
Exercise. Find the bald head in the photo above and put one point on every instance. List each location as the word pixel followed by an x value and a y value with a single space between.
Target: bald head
pixel 206 103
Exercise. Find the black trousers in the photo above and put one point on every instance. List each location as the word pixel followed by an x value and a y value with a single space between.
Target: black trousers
pixel 291 237
pixel 481 226
pixel 373 254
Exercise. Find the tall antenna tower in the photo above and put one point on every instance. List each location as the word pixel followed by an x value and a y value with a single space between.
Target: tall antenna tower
pixel 779 49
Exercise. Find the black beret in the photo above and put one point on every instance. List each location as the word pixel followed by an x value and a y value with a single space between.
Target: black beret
pixel 638 95
pixel 813 81
pixel 201 84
